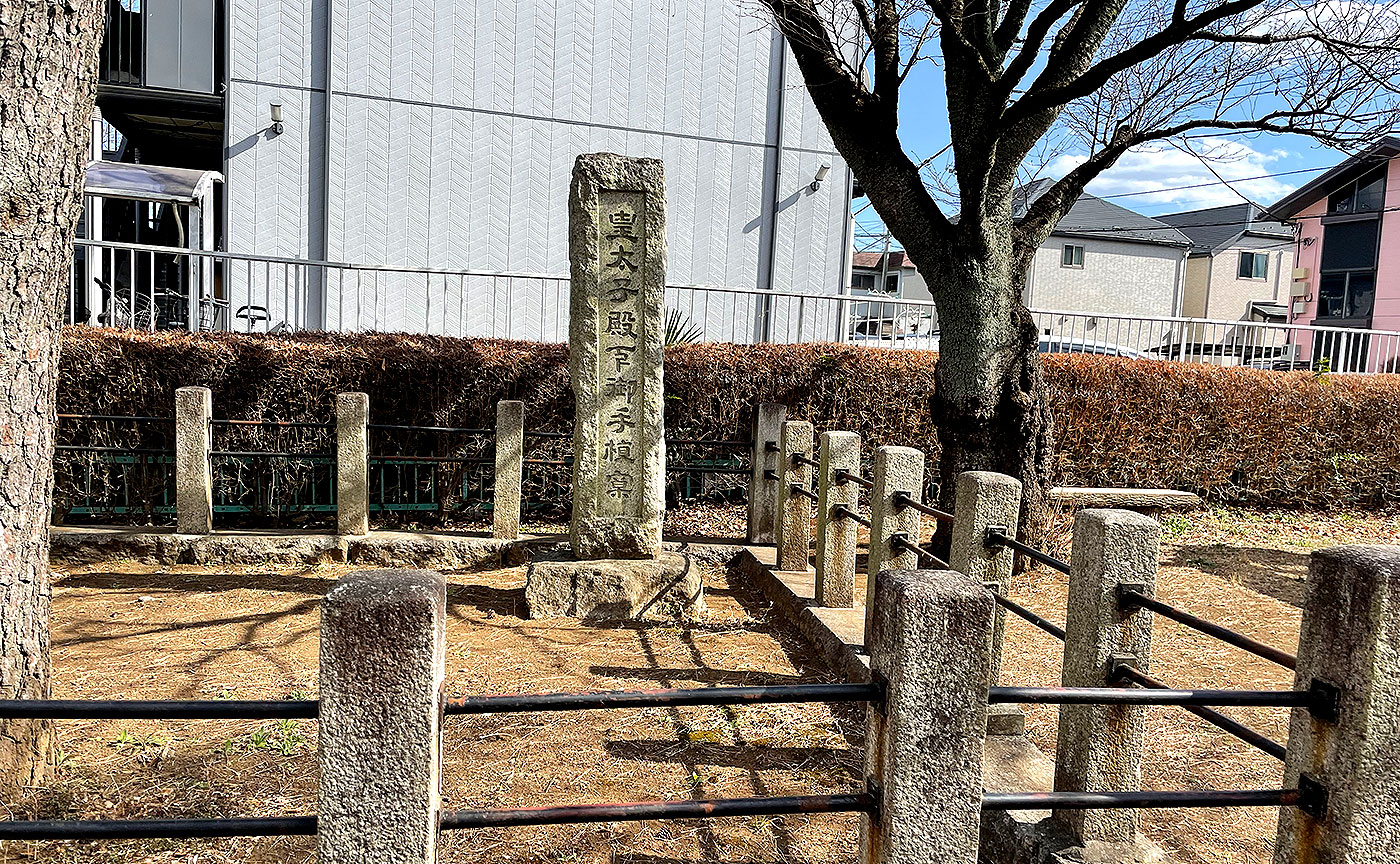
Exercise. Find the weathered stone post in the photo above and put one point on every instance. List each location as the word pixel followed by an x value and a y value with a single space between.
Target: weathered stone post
pixel 897 469
pixel 194 482
pixel 617 252
pixel 510 455
pixel 763 487
pixel 795 510
pixel 983 499
pixel 923 750
pixel 836 533
pixel 383 642
pixel 352 463
pixel 1350 646
pixel 1099 748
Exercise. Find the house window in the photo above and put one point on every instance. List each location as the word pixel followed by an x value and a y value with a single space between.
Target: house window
pixel 1346 286
pixel 864 283
pixel 1254 265
pixel 1366 195
pixel 1072 256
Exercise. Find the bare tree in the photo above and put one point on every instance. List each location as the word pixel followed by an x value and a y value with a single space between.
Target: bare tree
pixel 1029 77
pixel 48 60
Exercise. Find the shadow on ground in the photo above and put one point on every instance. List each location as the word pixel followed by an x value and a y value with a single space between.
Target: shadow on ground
pixel 1276 573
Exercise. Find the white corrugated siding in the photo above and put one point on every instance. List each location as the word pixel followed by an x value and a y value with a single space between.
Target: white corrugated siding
pixel 454 125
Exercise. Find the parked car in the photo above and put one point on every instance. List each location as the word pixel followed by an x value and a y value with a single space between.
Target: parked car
pixel 1061 345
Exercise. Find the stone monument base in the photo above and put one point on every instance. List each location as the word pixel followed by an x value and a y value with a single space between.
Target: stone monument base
pixel 613 589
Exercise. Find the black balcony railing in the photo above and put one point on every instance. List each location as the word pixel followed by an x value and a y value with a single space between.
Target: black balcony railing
pixel 124 45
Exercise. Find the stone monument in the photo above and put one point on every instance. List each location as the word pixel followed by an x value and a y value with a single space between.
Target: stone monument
pixel 617 335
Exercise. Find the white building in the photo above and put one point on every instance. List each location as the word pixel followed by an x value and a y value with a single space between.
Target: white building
pixel 1108 260
pixel 442 133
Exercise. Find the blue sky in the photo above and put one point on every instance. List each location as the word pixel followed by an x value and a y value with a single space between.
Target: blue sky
pixel 923 127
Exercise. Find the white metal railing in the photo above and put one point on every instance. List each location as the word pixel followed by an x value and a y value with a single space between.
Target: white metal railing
pixel 151 287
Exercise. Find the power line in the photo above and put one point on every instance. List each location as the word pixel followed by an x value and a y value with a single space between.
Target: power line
pixel 1215 183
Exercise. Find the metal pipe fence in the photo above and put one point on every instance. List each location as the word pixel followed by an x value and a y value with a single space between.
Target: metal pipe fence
pixel 148 287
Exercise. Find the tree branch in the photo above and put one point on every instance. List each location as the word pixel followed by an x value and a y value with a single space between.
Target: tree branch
pixel 1058 93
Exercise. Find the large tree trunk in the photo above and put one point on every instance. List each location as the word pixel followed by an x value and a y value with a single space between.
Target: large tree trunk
pixel 48 59
pixel 990 402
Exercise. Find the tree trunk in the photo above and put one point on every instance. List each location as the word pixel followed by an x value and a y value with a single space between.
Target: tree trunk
pixel 990 402
pixel 48 60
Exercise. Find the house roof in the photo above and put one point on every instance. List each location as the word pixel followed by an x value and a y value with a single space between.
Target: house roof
pixel 1092 216
pixel 1343 172
pixel 871 260
pixel 1213 229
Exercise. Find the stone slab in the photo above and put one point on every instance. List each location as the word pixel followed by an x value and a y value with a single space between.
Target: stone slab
pixel 1125 499
pixel 70 544
pixel 619 589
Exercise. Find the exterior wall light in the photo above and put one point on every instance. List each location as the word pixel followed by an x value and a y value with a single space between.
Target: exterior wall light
pixel 820 176
pixel 276 110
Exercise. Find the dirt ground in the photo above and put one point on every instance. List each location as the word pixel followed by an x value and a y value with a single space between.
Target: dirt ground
pixel 187 632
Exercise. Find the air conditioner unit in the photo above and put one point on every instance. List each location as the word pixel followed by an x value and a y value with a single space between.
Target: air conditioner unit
pixel 1299 307
pixel 1300 273
pixel 1299 289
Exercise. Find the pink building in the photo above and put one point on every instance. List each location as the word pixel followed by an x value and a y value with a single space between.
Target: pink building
pixel 1347 255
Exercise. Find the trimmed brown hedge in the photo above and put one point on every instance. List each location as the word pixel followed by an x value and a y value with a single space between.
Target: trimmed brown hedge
pixel 1233 435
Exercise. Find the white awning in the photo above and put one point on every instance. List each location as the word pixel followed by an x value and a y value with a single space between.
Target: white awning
pixel 149 182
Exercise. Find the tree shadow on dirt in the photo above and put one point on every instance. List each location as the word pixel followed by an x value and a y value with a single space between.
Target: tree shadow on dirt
pixel 300 582
pixel 1276 573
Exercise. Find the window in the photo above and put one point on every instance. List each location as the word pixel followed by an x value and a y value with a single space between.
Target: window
pixel 1366 195
pixel 1346 287
pixel 864 283
pixel 1253 265
pixel 1073 256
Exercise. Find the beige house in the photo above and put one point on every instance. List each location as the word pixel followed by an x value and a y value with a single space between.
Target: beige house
pixel 1239 265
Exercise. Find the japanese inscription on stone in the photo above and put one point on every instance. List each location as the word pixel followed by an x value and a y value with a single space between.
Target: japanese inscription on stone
pixel 617 250
pixel 620 315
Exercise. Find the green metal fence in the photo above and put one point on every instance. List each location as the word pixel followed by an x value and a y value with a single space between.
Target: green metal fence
pixel 275 472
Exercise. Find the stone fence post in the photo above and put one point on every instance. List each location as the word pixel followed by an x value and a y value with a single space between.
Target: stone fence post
pixel 836 533
pixel 352 463
pixel 794 536
pixel 510 461
pixel 1345 761
pixel 763 486
pixel 983 499
pixel 923 746
pixel 194 481
pixel 897 469
pixel 1099 748
pixel 383 644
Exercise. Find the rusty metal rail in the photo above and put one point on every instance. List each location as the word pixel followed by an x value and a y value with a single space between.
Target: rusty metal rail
pixel 905 499
pixel 843 476
pixel 901 541
pixel 799 489
pixel 146 829
pixel 715 808
pixel 160 709
pixel 998 537
pixel 763 695
pixel 1022 612
pixel 1147 696
pixel 844 512
pixel 1134 800
pixel 1250 736
pixel 1130 600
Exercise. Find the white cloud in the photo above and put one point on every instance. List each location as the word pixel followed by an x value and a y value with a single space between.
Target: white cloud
pixel 1153 168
